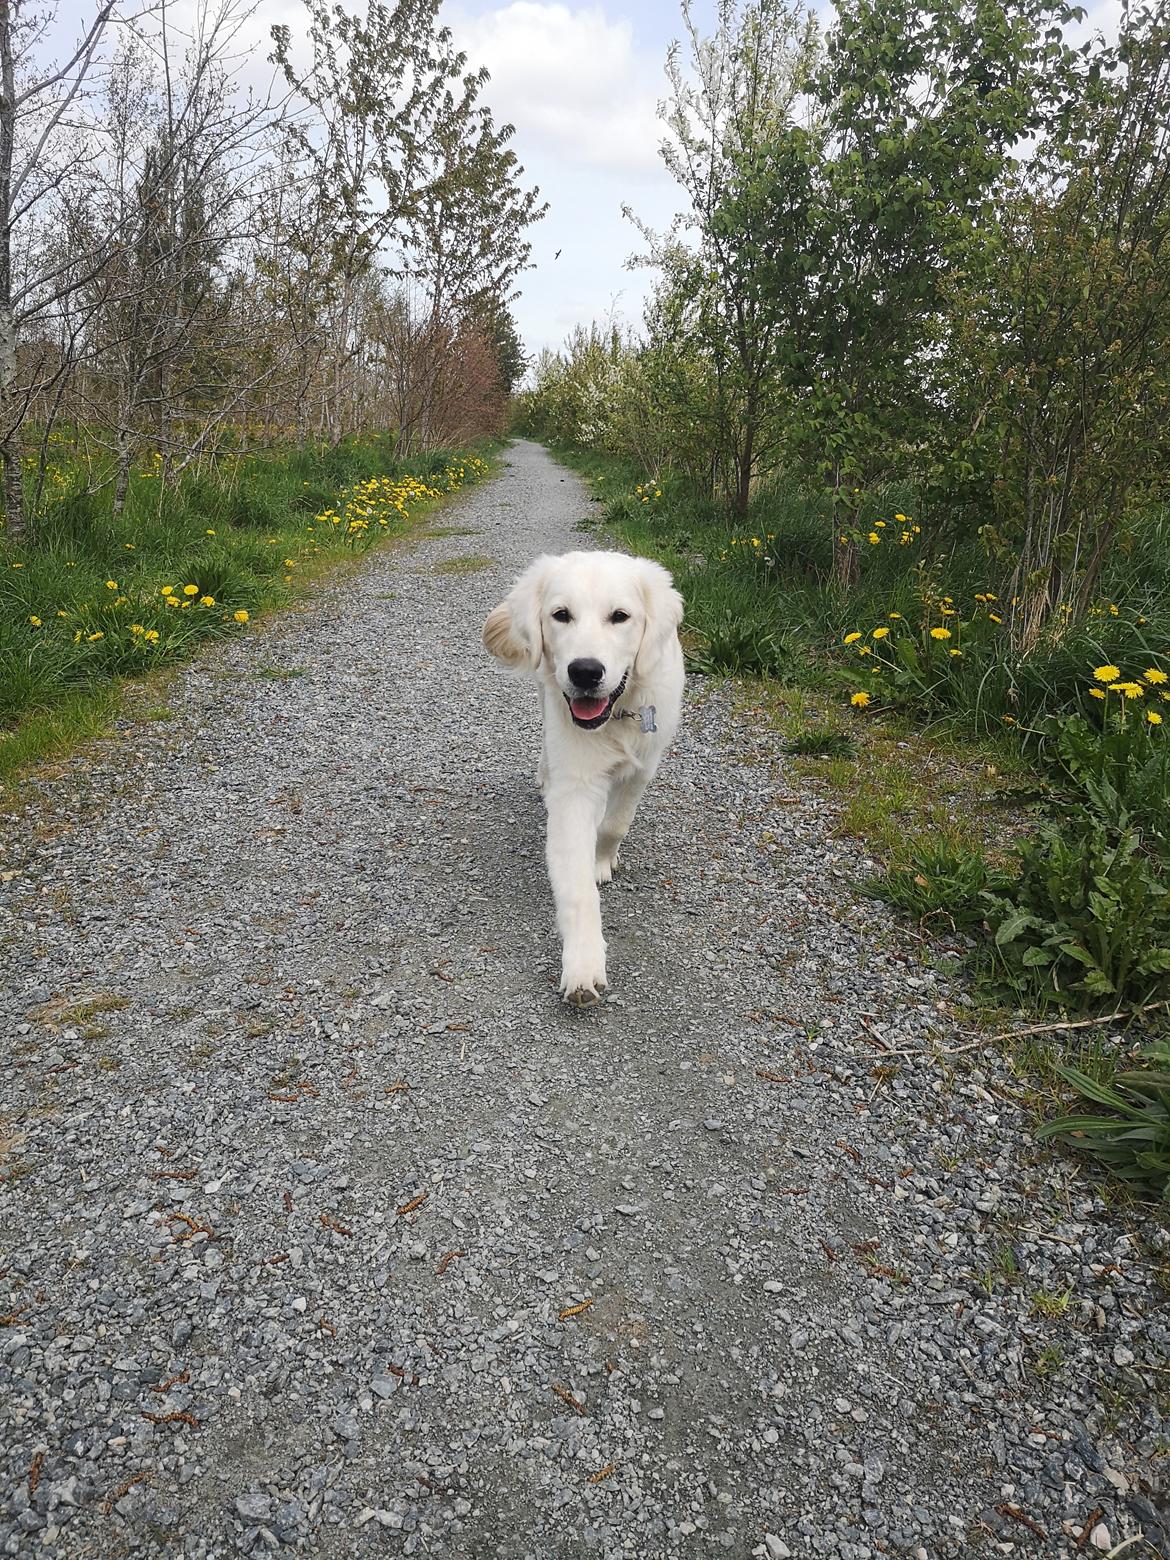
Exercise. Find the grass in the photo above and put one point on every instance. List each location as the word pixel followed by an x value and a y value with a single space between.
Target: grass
pixel 73 1012
pixel 760 601
pixel 468 563
pixel 92 599
pixel 898 789
pixel 823 742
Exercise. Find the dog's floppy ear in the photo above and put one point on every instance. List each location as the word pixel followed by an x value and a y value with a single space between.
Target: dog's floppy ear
pixel 664 611
pixel 512 632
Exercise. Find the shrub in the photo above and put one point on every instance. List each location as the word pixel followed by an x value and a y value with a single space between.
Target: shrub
pixel 1088 920
pixel 1131 1132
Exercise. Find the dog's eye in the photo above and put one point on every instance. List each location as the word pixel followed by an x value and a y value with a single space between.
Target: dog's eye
pixel 563 615
pixel 619 616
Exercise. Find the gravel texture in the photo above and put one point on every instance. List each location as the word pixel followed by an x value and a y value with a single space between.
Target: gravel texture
pixel 325 1229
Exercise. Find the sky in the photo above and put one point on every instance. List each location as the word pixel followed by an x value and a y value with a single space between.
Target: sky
pixel 581 83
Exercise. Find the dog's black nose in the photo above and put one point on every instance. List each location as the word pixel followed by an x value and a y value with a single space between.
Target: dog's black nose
pixel 586 673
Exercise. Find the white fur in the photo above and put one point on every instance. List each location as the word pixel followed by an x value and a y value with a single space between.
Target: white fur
pixel 592 779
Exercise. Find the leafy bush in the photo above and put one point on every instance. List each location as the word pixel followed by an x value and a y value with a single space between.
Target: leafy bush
pixel 1088 920
pixel 1123 771
pixel 1131 1133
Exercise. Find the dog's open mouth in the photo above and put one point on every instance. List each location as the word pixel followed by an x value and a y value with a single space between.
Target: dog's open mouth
pixel 589 711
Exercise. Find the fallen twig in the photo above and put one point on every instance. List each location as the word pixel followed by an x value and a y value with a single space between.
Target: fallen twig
pixel 574 1310
pixel 124 1488
pixel 567 1397
pixel 1080 1023
pixel 1006 1509
pixel 1091 1522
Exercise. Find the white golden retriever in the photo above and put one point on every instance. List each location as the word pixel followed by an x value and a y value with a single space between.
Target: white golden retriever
pixel 599 631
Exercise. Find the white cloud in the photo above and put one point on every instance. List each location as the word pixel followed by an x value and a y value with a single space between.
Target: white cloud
pixel 572 78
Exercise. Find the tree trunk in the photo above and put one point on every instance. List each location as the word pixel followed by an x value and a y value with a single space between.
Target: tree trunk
pixel 744 464
pixel 846 569
pixel 846 565
pixel 121 473
pixel 10 421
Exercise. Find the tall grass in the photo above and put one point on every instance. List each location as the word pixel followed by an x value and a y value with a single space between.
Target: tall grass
pixel 765 578
pixel 92 596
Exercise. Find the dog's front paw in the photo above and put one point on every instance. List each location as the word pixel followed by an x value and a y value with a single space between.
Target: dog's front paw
pixel 583 977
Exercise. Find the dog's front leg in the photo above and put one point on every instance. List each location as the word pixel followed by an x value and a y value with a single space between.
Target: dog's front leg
pixel 619 814
pixel 574 813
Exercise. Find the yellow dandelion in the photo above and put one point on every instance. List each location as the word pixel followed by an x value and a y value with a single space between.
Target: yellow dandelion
pixel 190 590
pixel 860 700
pixel 207 601
pixel 940 633
pixel 1153 675
pixel 851 639
pixel 880 633
pixel 241 616
pixel 1097 693
pixel 1107 674
pixel 1130 690
pixel 36 622
pixel 873 538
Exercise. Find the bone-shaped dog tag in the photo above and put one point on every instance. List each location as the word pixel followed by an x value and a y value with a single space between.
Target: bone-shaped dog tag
pixel 646 713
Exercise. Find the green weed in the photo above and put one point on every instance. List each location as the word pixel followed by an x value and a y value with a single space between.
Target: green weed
pixel 470 563
pixel 945 879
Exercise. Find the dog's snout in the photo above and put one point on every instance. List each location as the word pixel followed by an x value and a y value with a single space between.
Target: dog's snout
pixel 586 673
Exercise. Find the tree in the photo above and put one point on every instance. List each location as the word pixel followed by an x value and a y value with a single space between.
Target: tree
pixel 32 109
pixel 748 80
pixel 1059 361
pixel 411 171
pixel 853 225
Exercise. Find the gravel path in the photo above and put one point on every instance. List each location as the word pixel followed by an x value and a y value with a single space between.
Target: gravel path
pixel 325 1229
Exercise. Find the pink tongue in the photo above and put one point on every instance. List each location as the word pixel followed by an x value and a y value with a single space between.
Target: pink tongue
pixel 588 709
